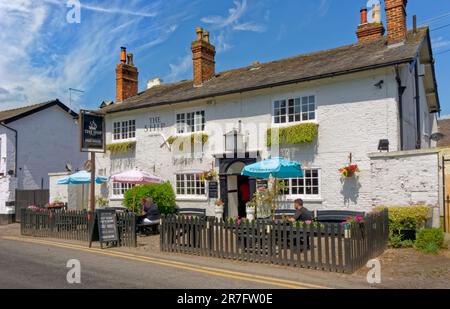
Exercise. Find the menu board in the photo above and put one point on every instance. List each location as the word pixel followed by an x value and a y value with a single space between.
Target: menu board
pixel 213 189
pixel 104 228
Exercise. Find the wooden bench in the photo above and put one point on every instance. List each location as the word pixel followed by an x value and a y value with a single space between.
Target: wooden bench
pixel 197 212
pixel 336 216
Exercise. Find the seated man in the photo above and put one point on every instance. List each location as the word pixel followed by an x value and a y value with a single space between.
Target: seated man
pixel 150 212
pixel 301 214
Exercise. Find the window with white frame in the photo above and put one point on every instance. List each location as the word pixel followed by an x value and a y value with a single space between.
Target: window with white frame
pixel 294 109
pixel 190 185
pixel 119 189
pixel 190 122
pixel 123 130
pixel 307 186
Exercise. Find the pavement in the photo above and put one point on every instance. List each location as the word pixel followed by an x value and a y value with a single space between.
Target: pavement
pixel 27 262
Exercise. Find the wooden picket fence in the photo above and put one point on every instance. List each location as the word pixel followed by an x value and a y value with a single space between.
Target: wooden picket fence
pixel 72 225
pixel 323 246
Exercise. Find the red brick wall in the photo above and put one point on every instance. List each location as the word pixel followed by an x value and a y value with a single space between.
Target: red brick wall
pixel 126 81
pixel 396 20
pixel 370 32
pixel 203 54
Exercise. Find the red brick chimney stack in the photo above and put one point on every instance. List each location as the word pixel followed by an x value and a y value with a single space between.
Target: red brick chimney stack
pixel 203 57
pixel 368 32
pixel 126 77
pixel 396 20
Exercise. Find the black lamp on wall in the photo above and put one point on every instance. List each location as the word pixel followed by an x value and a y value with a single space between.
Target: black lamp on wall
pixel 383 145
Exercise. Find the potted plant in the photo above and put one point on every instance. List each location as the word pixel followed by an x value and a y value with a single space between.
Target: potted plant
pixel 218 209
pixel 251 210
pixel 209 175
pixel 101 201
pixel 349 171
pixel 57 202
pixel 349 221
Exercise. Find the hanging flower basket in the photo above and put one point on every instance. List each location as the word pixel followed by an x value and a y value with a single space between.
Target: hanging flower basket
pixel 209 176
pixel 349 171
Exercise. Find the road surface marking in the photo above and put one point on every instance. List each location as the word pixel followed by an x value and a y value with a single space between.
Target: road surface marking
pixel 181 265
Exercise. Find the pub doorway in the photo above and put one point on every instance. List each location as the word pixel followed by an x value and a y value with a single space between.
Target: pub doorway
pixel 235 190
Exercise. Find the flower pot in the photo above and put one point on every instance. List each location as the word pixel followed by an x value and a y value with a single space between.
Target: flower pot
pixel 218 210
pixel 250 213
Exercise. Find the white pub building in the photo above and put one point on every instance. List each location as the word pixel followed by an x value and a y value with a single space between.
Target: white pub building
pixel 375 102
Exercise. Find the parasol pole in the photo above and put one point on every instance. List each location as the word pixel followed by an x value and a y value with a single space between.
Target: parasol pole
pixel 92 192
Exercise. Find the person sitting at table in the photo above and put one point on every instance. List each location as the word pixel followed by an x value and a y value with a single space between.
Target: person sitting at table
pixel 302 213
pixel 150 212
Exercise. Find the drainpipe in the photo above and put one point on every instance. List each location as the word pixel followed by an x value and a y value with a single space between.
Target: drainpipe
pixel 400 90
pixel 417 98
pixel 15 146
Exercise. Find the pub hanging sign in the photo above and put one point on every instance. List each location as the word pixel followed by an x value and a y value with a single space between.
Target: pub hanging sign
pixel 92 131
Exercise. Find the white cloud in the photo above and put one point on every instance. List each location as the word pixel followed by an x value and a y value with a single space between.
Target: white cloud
pixel 42 55
pixel 233 18
pixel 179 69
pixel 324 7
pixel 440 43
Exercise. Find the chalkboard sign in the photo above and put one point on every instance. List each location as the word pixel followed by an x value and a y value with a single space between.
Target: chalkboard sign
pixel 262 184
pixel 213 189
pixel 104 227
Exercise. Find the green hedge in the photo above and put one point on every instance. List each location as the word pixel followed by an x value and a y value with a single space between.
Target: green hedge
pixel 298 134
pixel 162 194
pixel 430 240
pixel 405 218
pixel 121 148
pixel 193 138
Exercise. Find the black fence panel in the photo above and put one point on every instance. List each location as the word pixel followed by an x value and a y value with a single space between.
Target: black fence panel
pixel 324 246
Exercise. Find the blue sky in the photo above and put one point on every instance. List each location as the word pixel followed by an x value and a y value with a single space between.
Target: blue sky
pixel 43 55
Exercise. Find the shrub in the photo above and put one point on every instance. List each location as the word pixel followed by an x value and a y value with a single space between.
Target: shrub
pixel 402 219
pixel 430 240
pixel 292 135
pixel 162 195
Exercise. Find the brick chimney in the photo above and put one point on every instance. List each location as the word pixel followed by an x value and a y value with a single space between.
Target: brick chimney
pixel 203 54
pixel 396 20
pixel 368 32
pixel 126 77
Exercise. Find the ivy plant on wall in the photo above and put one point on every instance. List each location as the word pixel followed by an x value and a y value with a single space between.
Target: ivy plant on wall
pixel 121 148
pixel 303 133
pixel 194 139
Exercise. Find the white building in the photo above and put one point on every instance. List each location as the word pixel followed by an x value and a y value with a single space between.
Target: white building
pixel 35 141
pixel 381 88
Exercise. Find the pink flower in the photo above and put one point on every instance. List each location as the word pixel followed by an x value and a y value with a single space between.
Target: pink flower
pixel 308 222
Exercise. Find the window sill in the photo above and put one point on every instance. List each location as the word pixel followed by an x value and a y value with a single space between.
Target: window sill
pixel 116 141
pixel 306 199
pixel 288 124
pixel 116 198
pixel 192 198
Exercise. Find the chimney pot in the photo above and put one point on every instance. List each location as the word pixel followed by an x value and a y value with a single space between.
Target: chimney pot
pixel 130 59
pixel 206 36
pixel 123 55
pixel 199 32
pixel 363 16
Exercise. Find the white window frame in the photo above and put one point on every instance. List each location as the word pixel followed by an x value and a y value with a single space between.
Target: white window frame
pixel 185 179
pixel 121 187
pixel 305 196
pixel 124 127
pixel 296 98
pixel 182 128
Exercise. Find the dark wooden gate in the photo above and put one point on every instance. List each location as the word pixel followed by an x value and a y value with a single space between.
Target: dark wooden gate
pixel 25 198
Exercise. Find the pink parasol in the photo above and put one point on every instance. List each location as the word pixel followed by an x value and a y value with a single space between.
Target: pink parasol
pixel 136 177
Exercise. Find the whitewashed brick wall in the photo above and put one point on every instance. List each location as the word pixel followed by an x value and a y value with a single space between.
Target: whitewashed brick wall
pixel 403 178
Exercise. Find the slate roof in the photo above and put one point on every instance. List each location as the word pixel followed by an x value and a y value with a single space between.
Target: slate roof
pixel 317 65
pixel 11 115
